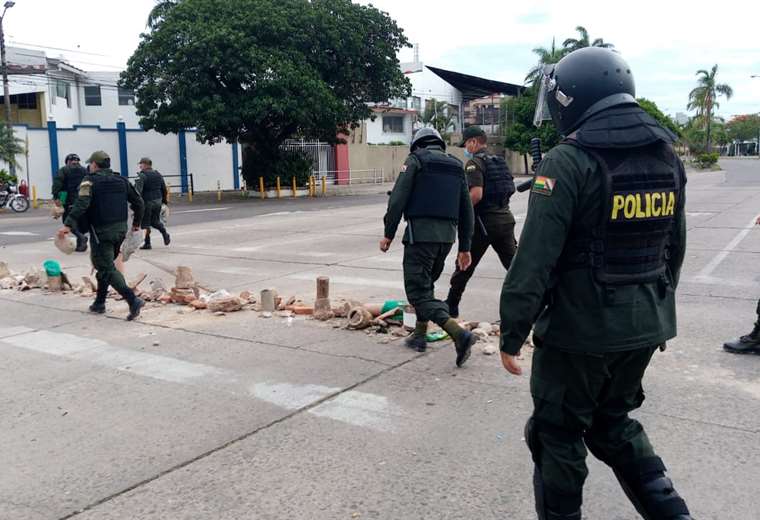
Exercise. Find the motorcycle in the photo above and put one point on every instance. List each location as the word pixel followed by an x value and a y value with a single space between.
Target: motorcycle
pixel 11 198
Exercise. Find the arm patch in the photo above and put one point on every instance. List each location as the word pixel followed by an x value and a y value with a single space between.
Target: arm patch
pixel 85 188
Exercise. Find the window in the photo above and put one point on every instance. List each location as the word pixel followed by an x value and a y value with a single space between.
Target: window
pixel 416 103
pixel 92 96
pixel 63 90
pixel 393 124
pixel 126 97
pixel 26 101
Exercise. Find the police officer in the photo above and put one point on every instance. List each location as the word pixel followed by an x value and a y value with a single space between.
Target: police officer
pixel 152 188
pixel 431 193
pixel 67 181
pixel 491 185
pixel 596 270
pixel 750 342
pixel 103 198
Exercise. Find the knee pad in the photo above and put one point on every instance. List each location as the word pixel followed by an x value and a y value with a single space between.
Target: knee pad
pixel 650 491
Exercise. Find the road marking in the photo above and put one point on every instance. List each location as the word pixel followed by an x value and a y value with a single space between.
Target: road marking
pixel 13 331
pixel 198 211
pixel 19 234
pixel 290 396
pixel 360 409
pixel 699 214
pixel 715 262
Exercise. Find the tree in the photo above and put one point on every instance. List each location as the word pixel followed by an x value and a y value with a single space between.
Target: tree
pixel 573 44
pixel 10 145
pixel 438 115
pixel 263 71
pixel 545 57
pixel 651 108
pixel 521 129
pixel 744 127
pixel 159 11
pixel 703 99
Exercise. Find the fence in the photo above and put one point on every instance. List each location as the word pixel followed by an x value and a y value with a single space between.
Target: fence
pixel 322 155
pixel 372 176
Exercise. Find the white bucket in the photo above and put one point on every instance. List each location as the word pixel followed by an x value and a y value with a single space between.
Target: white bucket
pixel 410 317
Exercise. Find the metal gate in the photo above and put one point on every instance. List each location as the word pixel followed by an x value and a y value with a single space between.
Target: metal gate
pixel 322 155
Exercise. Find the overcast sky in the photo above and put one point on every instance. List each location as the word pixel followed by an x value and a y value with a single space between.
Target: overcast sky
pixel 665 42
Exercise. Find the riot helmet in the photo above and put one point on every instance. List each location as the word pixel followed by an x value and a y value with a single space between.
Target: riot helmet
pixel 582 84
pixel 425 137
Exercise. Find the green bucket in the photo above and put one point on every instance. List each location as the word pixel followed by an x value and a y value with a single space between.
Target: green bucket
pixel 52 267
pixel 389 305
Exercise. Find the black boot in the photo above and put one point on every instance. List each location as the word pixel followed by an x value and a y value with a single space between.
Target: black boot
pixel 650 491
pixel 99 305
pixel 167 237
pixel 543 510
pixel 81 242
pixel 135 304
pixel 418 343
pixel 745 344
pixel 147 245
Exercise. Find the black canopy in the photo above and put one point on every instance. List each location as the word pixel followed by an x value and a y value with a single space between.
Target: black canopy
pixel 473 87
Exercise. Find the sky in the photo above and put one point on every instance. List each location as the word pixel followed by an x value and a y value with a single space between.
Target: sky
pixel 664 42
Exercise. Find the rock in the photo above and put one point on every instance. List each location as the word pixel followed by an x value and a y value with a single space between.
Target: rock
pixel 199 305
pixel 4 271
pixel 231 304
pixel 489 349
pixel 482 333
pixel 400 332
pixel 182 296
pixel 165 298
pixel 268 299
pixel 35 278
pixel 7 283
pixel 219 314
pixel 484 325
pixel 266 314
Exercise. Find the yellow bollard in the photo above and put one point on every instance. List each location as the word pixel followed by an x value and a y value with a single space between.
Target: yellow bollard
pixel 169 195
pixel 218 191
pixel 311 186
pixel 279 189
pixel 189 196
pixel 34 197
pixel 261 188
pixel 294 186
pixel 324 186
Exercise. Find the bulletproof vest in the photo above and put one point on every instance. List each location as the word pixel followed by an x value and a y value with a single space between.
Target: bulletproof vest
pixel 498 183
pixel 109 201
pixel 71 181
pixel 152 186
pixel 642 194
pixel 437 186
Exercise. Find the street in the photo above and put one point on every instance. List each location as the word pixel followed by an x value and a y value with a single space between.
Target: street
pixel 188 415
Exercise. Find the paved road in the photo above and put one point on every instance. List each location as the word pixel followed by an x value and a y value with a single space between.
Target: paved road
pixel 193 416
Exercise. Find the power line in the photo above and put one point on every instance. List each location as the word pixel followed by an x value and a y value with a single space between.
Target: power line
pixel 59 49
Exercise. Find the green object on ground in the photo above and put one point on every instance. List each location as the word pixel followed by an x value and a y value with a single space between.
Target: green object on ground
pixel 390 305
pixel 438 335
pixel 52 267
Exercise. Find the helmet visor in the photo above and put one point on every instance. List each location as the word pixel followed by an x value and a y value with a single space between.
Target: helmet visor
pixel 544 91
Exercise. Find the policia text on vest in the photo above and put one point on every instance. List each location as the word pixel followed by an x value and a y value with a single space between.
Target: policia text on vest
pixel 643 205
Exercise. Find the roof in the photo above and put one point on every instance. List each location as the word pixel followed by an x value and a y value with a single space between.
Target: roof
pixel 473 87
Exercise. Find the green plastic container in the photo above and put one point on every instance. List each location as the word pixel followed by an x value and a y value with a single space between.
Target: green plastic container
pixel 52 267
pixel 394 304
pixel 438 335
pixel 63 197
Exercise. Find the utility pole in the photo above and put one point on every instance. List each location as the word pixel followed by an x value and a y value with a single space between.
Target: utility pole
pixel 6 87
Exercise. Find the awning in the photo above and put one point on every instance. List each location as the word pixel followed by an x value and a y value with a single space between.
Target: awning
pixel 473 87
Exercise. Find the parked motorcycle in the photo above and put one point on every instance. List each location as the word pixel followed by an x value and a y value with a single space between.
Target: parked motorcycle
pixel 11 198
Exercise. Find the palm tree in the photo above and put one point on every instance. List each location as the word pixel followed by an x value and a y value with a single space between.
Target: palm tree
pixel 545 56
pixel 10 145
pixel 572 44
pixel 159 11
pixel 703 99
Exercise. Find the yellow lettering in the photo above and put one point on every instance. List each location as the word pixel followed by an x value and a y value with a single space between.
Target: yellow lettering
pixel 649 204
pixel 618 201
pixel 630 206
pixel 671 209
pixel 656 209
pixel 639 212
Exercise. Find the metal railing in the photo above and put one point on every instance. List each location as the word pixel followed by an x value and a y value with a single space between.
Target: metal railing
pixel 373 176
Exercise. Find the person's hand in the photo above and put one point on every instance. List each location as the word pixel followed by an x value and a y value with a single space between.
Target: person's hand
pixel 57 202
pixel 385 244
pixel 65 230
pixel 511 364
pixel 464 259
pixel 135 228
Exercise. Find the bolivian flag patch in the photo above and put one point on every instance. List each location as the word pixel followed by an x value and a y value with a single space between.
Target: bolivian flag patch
pixel 543 186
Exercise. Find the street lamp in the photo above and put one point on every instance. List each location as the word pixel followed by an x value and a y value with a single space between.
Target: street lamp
pixel 6 87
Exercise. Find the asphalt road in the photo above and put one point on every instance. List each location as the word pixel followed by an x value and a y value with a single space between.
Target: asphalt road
pixel 187 415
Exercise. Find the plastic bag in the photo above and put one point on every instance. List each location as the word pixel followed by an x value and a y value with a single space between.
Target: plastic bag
pixel 131 244
pixel 164 217
pixel 66 245
pixel 56 212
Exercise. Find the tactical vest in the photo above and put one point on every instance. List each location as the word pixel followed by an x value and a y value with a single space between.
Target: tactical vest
pixel 498 183
pixel 642 196
pixel 108 203
pixel 152 186
pixel 72 178
pixel 437 186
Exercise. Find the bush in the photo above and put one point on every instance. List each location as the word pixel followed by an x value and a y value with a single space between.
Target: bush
pixel 6 178
pixel 286 165
pixel 706 160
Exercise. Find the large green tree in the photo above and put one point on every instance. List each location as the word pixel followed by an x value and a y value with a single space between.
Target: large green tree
pixel 573 44
pixel 10 145
pixel 263 71
pixel 520 111
pixel 744 128
pixel 703 99
pixel 438 115
pixel 653 110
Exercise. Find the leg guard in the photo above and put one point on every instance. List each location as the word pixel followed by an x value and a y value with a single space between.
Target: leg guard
pixel 650 491
pixel 549 504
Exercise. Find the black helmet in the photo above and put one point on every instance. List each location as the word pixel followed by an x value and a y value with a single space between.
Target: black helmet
pixel 71 157
pixel 582 84
pixel 425 137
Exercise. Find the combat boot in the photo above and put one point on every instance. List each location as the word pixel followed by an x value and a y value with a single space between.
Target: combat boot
pixel 463 344
pixel 418 343
pixel 650 491
pixel 745 344
pixel 134 307
pixel 81 243
pixel 147 245
pixel 167 237
pixel 99 305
